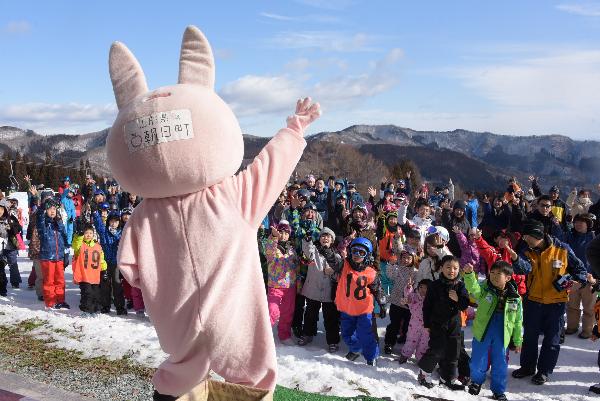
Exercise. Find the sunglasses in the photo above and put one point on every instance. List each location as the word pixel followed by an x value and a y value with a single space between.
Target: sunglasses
pixel 545 205
pixel 358 252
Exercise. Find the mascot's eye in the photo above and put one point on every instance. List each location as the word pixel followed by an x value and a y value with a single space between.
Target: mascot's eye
pixel 157 95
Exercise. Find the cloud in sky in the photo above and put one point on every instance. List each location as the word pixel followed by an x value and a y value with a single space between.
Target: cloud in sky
pixel 328 41
pixel 328 4
pixel 16 27
pixel 59 118
pixel 567 81
pixel 303 18
pixel 584 9
pixel 254 95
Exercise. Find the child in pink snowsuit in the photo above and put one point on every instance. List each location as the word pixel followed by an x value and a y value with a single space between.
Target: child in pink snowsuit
pixel 417 340
pixel 190 245
pixel 282 264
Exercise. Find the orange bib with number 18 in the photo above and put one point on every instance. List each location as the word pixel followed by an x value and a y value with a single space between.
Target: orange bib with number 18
pixel 352 295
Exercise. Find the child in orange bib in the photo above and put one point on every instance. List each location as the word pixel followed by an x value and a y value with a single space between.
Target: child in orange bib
pixel 358 286
pixel 88 267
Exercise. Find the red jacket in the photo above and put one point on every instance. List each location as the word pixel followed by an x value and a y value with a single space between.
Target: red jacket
pixel 491 254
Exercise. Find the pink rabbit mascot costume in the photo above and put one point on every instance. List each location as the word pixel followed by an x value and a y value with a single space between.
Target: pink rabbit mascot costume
pixel 190 246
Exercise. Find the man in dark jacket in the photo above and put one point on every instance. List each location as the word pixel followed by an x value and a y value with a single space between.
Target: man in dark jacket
pixel 559 207
pixel 544 215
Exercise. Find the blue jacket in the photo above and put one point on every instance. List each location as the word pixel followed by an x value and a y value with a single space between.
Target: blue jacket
pixel 108 240
pixel 471 212
pixel 579 243
pixel 53 237
pixel 69 207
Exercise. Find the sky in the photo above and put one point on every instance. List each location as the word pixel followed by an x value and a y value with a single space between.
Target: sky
pixel 510 67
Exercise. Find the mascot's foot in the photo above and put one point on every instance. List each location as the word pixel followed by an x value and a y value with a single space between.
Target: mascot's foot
pixel 212 390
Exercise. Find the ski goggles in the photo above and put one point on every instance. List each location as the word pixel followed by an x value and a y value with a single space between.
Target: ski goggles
pixel 358 251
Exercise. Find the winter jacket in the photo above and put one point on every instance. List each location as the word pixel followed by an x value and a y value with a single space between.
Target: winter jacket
pixel 53 236
pixel 559 208
pixel 9 228
pixel 593 256
pixel 317 285
pixel 449 221
pixel 108 240
pixel 543 267
pixel 471 212
pixel 427 268
pixel 385 236
pixel 494 219
pixel 490 255
pixel 595 210
pixel 282 264
pixel 578 205
pixel 487 298
pixel 320 201
pixel 469 253
pixel 579 243
pixel 354 198
pixel 438 309
pixel 415 305
pixel 33 252
pixel 400 275
pixel 417 222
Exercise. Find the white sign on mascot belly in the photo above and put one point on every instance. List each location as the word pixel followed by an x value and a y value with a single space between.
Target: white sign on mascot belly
pixel 190 246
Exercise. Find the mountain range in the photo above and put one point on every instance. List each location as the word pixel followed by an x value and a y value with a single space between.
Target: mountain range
pixel 477 160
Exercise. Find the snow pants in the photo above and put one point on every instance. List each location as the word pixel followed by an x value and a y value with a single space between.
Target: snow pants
pixel 90 297
pixel 11 261
pixel 581 298
pixel 358 335
pixel 138 299
pixel 542 319
pixel 111 289
pixel 386 283
pixel 399 321
pixel 53 273
pixel 281 307
pixel 492 344
pixel 417 342
pixel 444 348
pixel 299 304
pixel 331 318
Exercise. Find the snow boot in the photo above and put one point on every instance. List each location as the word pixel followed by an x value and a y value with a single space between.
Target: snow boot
pixel 304 340
pixel 595 388
pixel 424 380
pixel 453 384
pixel 352 356
pixel 388 349
pixel 372 363
pixel 333 348
pixel 539 379
pixel 499 397
pixel 521 373
pixel 474 388
pixel 402 359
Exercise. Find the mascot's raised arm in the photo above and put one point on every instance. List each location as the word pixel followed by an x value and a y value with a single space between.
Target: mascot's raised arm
pixel 190 246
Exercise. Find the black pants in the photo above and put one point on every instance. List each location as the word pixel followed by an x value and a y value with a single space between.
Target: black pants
pixel 90 297
pixel 444 348
pixel 399 320
pixel 331 320
pixel 10 257
pixel 112 288
pixel 374 327
pixel 298 313
pixel 464 360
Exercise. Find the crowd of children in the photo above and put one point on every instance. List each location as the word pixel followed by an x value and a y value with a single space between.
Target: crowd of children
pixel 518 258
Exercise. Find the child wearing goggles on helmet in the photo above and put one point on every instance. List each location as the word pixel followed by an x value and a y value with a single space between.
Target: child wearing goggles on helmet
pixel 358 287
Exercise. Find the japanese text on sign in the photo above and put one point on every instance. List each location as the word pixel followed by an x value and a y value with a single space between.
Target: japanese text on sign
pixel 161 127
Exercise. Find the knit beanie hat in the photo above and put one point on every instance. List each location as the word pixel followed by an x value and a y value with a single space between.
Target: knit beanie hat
pixel 534 229
pixel 328 231
pixel 459 204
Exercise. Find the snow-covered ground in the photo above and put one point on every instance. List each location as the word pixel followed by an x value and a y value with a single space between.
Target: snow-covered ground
pixel 308 368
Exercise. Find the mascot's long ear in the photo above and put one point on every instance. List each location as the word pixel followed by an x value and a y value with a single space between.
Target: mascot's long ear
pixel 126 74
pixel 196 63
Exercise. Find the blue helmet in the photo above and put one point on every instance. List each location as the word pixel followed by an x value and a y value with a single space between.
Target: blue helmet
pixel 99 192
pixel 364 242
pixel 104 206
pixel 67 178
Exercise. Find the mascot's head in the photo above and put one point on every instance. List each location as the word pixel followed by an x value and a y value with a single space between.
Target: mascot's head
pixel 176 139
